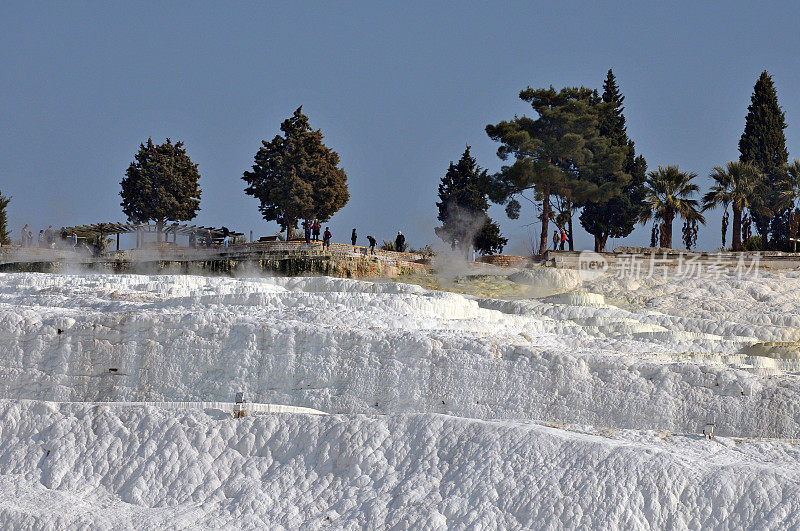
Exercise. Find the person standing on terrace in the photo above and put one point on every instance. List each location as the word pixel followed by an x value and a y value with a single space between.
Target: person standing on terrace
pixel 315 230
pixel 399 242
pixel 326 239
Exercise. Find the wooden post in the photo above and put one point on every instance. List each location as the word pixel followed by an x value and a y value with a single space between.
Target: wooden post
pixel 118 241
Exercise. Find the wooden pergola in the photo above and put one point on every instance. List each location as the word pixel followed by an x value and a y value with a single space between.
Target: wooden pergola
pixel 101 230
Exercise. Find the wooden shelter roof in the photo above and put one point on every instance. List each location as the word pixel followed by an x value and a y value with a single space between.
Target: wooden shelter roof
pixel 125 228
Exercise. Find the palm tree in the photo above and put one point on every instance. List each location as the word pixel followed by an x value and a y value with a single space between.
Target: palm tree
pixel 788 195
pixel 738 184
pixel 789 191
pixel 669 192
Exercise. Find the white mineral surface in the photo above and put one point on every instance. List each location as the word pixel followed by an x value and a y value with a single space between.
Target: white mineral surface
pixel 583 408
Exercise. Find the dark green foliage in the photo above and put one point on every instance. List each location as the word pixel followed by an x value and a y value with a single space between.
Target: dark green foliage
pixel 725 219
pixel 512 209
pixel 488 240
pixel 786 224
pixel 296 176
pixel 669 194
pixel 4 232
pixel 612 121
pixel 162 184
pixel 560 153
pixel 690 230
pixel 655 234
pixel 746 227
pixel 463 206
pixel 779 230
pixel 753 243
pixel 617 216
pixel 736 184
pixel 763 144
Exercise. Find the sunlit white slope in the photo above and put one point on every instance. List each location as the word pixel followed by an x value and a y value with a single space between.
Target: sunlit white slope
pixel 70 465
pixel 346 346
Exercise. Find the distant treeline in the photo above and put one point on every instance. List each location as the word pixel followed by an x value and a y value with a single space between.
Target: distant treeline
pixel 575 157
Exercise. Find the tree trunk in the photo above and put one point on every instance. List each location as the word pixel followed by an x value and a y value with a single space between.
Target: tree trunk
pixel 600 243
pixel 545 221
pixel 737 227
pixel 159 226
pixel 666 230
pixel 290 230
pixel 569 224
pixel 461 248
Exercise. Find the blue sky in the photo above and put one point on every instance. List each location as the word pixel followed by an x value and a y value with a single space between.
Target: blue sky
pixel 397 89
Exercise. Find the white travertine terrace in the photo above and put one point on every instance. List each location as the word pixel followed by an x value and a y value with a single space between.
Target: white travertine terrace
pixel 578 409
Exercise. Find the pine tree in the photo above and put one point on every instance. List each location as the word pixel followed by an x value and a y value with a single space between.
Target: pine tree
pixel 161 185
pixel 463 206
pixel 763 144
pixel 617 216
pixel 296 176
pixel 556 155
pixel 4 232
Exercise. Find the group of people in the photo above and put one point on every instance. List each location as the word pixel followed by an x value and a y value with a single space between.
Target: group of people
pixel 199 239
pixel 49 238
pixel 204 238
pixel 559 239
pixel 311 230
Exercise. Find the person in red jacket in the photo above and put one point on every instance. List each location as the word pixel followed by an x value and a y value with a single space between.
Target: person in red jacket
pixel 315 230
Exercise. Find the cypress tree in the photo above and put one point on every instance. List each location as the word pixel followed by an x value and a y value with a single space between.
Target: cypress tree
pixel 763 144
pixel 488 240
pixel 463 206
pixel 4 232
pixel 616 216
pixel 296 176
pixel 612 121
pixel 162 184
